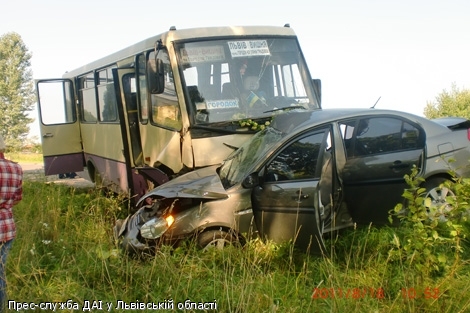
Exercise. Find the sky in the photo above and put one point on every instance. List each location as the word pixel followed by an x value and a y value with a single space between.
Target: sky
pixel 405 52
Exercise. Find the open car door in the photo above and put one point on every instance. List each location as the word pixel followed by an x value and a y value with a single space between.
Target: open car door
pixel 285 203
pixel 60 129
pixel 380 151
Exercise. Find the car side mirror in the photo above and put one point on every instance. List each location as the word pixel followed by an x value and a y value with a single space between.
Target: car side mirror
pixel 155 76
pixel 250 181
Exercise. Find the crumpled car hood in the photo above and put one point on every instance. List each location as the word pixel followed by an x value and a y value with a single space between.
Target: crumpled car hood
pixel 203 183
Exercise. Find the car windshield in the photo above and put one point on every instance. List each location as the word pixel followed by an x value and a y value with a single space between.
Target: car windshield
pixel 240 162
pixel 240 78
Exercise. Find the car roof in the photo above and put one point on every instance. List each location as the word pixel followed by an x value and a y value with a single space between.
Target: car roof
pixel 294 122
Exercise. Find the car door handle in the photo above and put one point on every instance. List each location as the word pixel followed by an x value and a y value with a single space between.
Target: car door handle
pixel 300 195
pixel 398 165
pixel 47 135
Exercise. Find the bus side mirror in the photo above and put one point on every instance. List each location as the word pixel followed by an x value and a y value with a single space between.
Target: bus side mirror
pixel 317 89
pixel 155 76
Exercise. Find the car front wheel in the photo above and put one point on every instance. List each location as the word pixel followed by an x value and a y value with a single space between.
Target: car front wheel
pixel 217 239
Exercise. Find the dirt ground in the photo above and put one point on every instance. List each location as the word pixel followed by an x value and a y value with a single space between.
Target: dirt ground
pixel 35 171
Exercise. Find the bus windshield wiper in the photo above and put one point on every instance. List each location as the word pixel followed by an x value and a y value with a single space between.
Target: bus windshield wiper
pixel 222 130
pixel 286 108
pixel 230 146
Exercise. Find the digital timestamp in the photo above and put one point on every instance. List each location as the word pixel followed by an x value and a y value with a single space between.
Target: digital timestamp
pixel 373 293
pixel 416 293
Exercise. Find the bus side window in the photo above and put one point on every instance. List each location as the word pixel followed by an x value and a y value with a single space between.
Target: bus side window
pixel 87 98
pixel 106 96
pixel 165 110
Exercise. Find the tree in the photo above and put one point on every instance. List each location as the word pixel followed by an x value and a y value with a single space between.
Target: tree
pixel 16 90
pixel 453 103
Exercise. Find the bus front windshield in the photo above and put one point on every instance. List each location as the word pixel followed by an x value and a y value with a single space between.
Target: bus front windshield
pixel 246 78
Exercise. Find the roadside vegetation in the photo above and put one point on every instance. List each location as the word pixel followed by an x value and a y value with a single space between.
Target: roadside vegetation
pixel 65 251
pixel 23 157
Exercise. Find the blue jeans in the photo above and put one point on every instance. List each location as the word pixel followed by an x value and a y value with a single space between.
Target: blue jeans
pixel 4 249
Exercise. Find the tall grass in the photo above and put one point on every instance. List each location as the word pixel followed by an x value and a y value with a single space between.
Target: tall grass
pixel 64 251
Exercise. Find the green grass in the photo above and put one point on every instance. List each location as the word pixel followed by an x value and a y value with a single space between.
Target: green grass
pixel 25 157
pixel 64 251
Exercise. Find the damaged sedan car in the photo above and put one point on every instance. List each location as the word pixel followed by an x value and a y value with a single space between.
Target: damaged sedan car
pixel 305 175
pixel 193 205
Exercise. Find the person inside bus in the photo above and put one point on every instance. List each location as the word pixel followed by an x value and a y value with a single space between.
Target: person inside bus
pixel 252 95
pixel 250 79
pixel 243 68
pixel 229 89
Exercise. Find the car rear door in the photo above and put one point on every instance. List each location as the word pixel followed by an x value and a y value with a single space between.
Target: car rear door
pixel 380 151
pixel 284 201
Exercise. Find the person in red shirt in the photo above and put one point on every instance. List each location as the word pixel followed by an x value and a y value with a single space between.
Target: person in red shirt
pixel 11 192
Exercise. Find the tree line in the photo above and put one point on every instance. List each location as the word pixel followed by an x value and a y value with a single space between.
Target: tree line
pixel 17 95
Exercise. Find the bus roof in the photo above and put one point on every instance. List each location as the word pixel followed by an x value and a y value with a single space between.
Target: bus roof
pixel 175 35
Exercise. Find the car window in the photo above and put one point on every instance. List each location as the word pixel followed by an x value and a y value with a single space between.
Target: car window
pixel 298 160
pixel 347 130
pixel 377 135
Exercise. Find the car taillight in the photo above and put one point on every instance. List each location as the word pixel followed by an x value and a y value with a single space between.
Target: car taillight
pixel 468 134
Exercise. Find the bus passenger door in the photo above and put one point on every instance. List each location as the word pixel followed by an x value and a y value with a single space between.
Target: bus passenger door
pixel 126 99
pixel 60 129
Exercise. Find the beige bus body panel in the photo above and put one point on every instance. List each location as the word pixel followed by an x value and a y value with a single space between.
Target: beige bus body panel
pixel 209 151
pixel 101 141
pixel 54 134
pixel 162 146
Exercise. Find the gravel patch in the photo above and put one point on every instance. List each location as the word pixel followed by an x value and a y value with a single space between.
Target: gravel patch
pixel 35 172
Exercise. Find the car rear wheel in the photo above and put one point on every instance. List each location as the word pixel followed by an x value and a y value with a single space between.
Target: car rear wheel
pixel 216 239
pixel 435 201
